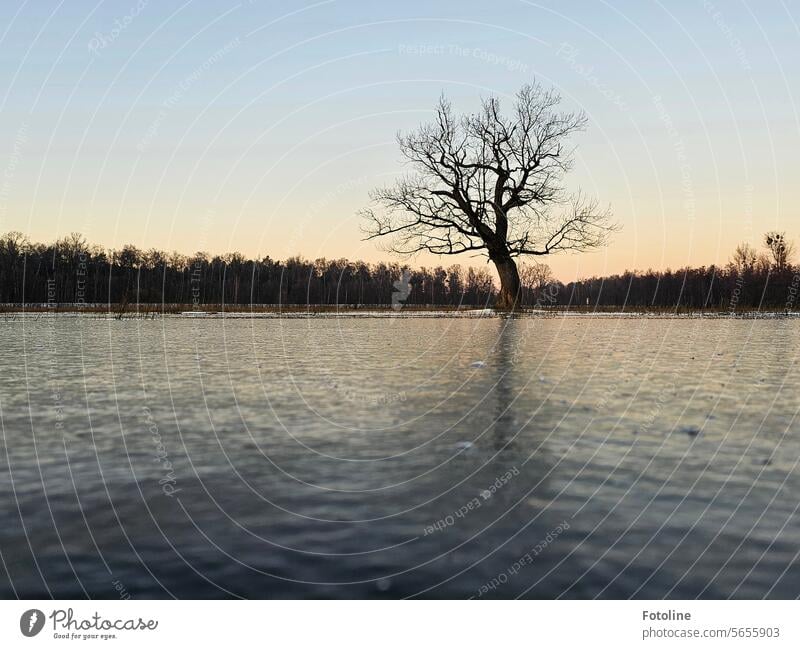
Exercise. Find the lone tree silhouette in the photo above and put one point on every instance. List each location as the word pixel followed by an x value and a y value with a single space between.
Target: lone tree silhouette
pixel 779 248
pixel 489 183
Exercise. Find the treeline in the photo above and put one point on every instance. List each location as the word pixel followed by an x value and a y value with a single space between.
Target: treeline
pixel 712 287
pixel 751 280
pixel 71 271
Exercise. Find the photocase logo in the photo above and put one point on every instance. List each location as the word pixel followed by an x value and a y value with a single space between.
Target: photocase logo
pixel 31 622
pixel 402 289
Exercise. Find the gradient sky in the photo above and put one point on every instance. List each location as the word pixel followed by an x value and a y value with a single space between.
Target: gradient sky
pixel 260 126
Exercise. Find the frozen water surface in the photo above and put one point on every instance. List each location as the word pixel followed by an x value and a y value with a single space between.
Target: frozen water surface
pixel 366 456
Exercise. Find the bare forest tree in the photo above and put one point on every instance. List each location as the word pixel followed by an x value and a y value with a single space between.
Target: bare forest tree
pixel 534 279
pixel 490 184
pixel 745 258
pixel 780 249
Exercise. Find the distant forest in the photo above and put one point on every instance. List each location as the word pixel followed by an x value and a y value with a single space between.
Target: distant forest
pixel 71 271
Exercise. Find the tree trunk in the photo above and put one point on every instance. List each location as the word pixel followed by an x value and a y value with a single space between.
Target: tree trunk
pixel 509 297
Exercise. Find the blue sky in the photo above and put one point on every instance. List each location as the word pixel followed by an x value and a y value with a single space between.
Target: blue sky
pixel 260 126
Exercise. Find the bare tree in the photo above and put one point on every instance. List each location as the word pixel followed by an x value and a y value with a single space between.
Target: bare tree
pixel 534 279
pixel 14 244
pixel 490 184
pixel 780 248
pixel 745 258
